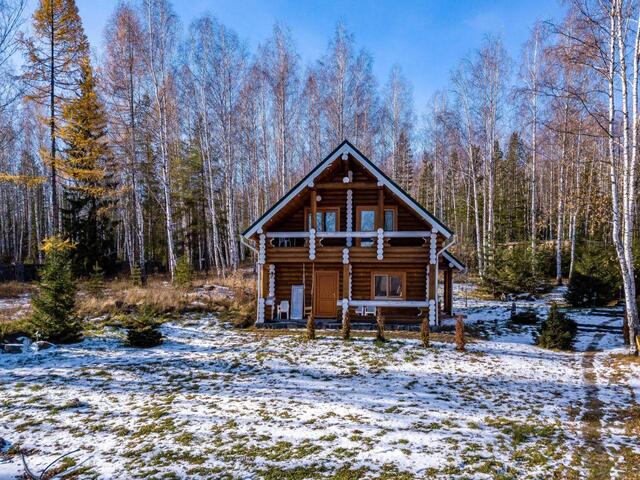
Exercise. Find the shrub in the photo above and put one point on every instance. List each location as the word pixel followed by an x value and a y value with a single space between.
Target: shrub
pixel 525 317
pixel 596 278
pixel 9 331
pixel 240 312
pixel 557 331
pixel 53 306
pixel 142 330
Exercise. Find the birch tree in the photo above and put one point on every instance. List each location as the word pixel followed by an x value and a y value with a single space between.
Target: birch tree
pixel 124 77
pixel 160 33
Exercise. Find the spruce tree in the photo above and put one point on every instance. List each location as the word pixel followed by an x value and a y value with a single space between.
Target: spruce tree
pixel 87 196
pixel 53 306
pixel 95 285
pixel 184 273
pixel 557 332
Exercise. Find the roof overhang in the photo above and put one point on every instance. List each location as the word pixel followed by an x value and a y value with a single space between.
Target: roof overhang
pixel 453 261
pixel 347 148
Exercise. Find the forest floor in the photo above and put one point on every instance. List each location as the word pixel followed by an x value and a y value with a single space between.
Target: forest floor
pixel 217 402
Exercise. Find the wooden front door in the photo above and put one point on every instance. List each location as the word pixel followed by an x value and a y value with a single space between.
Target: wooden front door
pixel 325 295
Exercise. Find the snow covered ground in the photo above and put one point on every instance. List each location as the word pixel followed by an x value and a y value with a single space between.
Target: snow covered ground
pixel 12 308
pixel 212 402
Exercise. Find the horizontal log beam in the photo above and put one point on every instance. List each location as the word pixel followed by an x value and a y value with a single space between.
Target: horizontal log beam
pixel 346 186
pixel 388 303
pixel 357 234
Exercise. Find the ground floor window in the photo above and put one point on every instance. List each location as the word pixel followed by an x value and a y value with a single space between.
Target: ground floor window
pixel 388 285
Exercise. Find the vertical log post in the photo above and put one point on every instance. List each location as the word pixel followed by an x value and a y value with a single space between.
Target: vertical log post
pixel 314 225
pixel 380 210
pixel 432 276
pixel 448 292
pixel 346 273
pixel 261 278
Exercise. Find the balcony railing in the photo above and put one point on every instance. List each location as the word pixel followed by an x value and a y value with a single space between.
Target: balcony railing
pixel 372 234
pixel 376 240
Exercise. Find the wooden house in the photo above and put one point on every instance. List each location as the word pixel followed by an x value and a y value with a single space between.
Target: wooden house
pixel 347 237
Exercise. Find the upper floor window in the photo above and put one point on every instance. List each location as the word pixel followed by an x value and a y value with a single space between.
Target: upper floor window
pixel 327 220
pixel 366 222
pixel 389 219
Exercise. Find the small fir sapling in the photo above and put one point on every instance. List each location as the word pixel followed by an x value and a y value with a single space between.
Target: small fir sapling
pixel 143 330
pixel 53 315
pixel 346 326
pixel 460 341
pixel 557 332
pixel 380 326
pixel 311 327
pixel 95 284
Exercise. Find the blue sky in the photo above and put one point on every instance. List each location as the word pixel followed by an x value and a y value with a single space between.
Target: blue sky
pixel 427 38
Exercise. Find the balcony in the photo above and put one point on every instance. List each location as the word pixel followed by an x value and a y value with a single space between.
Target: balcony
pixel 295 246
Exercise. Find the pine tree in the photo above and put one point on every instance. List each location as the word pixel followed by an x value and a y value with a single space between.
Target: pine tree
pixel 53 306
pixel 87 196
pixel 53 64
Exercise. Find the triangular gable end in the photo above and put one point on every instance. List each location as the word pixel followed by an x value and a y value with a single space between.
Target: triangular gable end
pixel 347 148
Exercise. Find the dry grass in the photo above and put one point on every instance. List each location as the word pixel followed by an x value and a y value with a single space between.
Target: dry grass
pixel 161 297
pixel 241 282
pixel 12 328
pixel 14 289
pixel 14 313
pixel 157 298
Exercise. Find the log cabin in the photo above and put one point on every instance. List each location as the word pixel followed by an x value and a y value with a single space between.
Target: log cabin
pixel 347 238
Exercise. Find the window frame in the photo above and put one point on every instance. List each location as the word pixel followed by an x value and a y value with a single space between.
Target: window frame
pixel 359 210
pixel 394 209
pixel 323 210
pixel 388 273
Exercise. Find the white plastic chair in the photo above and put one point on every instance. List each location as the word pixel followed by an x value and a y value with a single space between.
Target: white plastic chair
pixel 283 309
pixel 364 311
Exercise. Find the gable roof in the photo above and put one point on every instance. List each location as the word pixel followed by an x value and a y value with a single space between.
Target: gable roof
pixel 448 256
pixel 347 147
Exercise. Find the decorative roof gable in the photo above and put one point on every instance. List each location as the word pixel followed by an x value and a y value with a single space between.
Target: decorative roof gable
pixel 347 148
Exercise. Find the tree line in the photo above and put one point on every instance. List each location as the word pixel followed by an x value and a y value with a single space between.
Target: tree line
pixel 180 135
